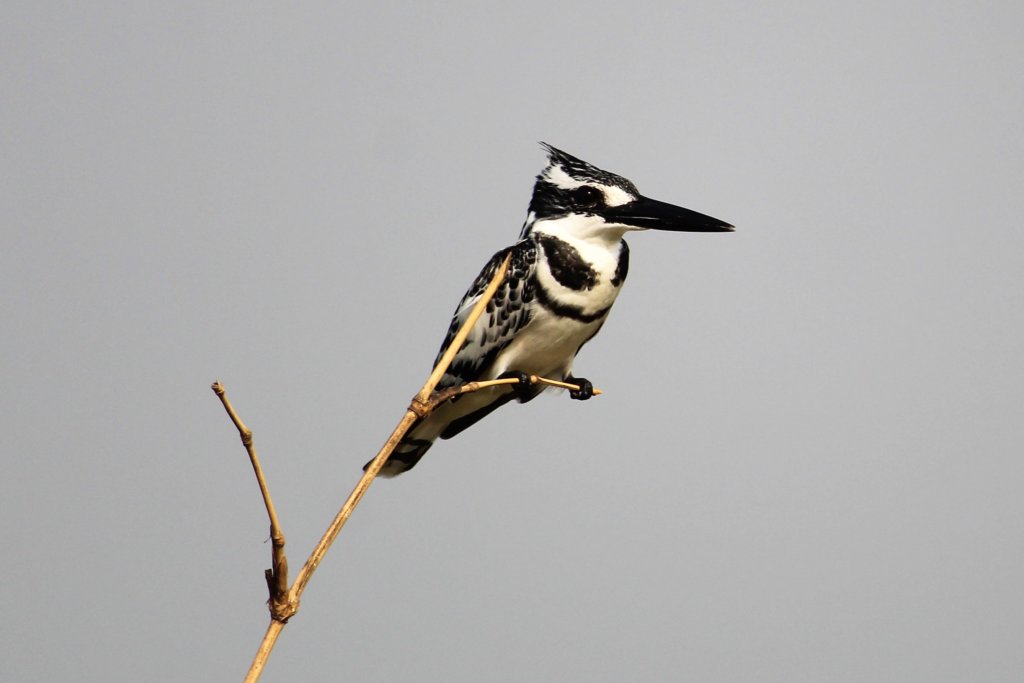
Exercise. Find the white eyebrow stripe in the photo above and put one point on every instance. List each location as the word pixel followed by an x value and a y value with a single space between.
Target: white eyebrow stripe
pixel 613 194
pixel 616 196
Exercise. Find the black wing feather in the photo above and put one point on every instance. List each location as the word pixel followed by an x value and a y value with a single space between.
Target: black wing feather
pixel 506 314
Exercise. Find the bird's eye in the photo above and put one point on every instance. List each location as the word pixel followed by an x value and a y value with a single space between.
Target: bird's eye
pixel 587 196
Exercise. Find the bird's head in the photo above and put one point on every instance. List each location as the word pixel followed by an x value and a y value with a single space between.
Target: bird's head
pixel 574 198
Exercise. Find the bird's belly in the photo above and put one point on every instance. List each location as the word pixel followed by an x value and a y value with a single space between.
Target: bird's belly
pixel 546 346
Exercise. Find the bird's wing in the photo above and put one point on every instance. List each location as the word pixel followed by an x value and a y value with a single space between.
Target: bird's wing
pixel 506 314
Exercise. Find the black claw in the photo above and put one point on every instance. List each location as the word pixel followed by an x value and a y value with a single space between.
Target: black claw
pixel 524 379
pixel 585 391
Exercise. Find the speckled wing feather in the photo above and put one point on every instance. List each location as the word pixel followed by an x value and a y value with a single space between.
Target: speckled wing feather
pixel 507 313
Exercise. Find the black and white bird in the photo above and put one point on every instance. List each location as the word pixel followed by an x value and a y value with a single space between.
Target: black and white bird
pixel 565 272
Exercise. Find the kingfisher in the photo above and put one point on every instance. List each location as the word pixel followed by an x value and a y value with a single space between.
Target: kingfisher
pixel 565 272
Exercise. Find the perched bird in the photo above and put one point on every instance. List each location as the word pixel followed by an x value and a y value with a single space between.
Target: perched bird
pixel 566 269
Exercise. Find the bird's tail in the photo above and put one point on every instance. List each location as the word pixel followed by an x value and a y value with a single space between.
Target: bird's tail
pixel 406 454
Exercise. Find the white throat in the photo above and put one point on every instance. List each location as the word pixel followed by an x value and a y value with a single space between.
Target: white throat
pixel 584 232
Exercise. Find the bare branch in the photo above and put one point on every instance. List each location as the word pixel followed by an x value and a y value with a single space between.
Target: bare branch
pixel 469 387
pixel 277 575
pixel 263 653
pixel 460 336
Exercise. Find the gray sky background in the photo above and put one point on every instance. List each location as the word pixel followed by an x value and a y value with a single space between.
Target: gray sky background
pixel 807 464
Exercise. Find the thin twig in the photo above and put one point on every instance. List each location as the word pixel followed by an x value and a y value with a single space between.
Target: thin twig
pixel 277 575
pixel 469 387
pixel 263 653
pixel 460 336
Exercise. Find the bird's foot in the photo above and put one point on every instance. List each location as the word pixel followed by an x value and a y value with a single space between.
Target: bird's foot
pixel 524 380
pixel 585 391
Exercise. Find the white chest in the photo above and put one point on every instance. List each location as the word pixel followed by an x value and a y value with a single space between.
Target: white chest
pixel 546 346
